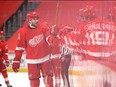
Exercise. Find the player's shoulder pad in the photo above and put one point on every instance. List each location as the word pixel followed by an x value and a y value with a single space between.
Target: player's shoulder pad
pixel 43 25
pixel 22 30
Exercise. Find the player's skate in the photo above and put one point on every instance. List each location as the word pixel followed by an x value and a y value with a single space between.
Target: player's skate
pixel 9 86
pixel 0 85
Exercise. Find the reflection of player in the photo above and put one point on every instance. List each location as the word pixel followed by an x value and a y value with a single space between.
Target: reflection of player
pixel 96 38
pixel 97 34
pixel 65 66
pixel 87 13
pixel 32 39
pixel 66 56
pixel 4 61
pixel 54 42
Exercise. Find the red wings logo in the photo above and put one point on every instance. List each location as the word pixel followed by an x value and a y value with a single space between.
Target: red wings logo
pixel 35 40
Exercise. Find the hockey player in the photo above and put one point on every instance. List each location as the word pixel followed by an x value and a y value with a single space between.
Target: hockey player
pixel 70 44
pixel 97 36
pixel 32 39
pixel 4 61
pixel 54 42
pixel 65 55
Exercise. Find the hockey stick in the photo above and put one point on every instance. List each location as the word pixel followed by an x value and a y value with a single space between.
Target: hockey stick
pixel 52 29
pixel 55 22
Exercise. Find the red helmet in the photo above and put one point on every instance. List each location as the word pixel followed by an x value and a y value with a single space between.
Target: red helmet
pixel 32 15
pixel 112 14
pixel 87 13
pixel 1 33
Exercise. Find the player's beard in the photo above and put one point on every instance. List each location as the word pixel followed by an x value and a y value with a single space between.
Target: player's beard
pixel 33 25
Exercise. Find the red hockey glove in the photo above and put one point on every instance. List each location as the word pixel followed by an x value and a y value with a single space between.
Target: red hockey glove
pixel 16 65
pixel 54 30
pixel 7 63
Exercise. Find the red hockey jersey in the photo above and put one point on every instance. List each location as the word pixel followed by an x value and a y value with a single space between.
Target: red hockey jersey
pixel 97 39
pixel 56 47
pixel 34 43
pixel 3 51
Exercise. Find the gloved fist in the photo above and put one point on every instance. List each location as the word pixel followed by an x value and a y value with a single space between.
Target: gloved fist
pixel 54 30
pixel 16 65
pixel 7 63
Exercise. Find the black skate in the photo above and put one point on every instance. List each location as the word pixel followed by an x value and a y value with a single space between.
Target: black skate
pixel 9 86
pixel 0 85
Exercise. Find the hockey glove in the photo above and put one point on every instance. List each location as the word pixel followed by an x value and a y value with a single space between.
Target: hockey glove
pixel 16 65
pixel 54 30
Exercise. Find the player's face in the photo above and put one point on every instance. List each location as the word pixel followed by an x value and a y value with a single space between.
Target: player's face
pixel 33 22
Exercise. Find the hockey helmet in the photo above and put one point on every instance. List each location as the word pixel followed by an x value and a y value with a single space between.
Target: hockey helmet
pixel 87 13
pixel 32 19
pixel 32 15
pixel 112 14
pixel 1 33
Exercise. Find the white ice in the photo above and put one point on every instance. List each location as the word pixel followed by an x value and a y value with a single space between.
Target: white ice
pixel 86 74
pixel 18 80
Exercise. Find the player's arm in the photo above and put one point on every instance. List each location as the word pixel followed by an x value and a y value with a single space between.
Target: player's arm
pixel 46 32
pixel 18 53
pixel 5 54
pixel 52 33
